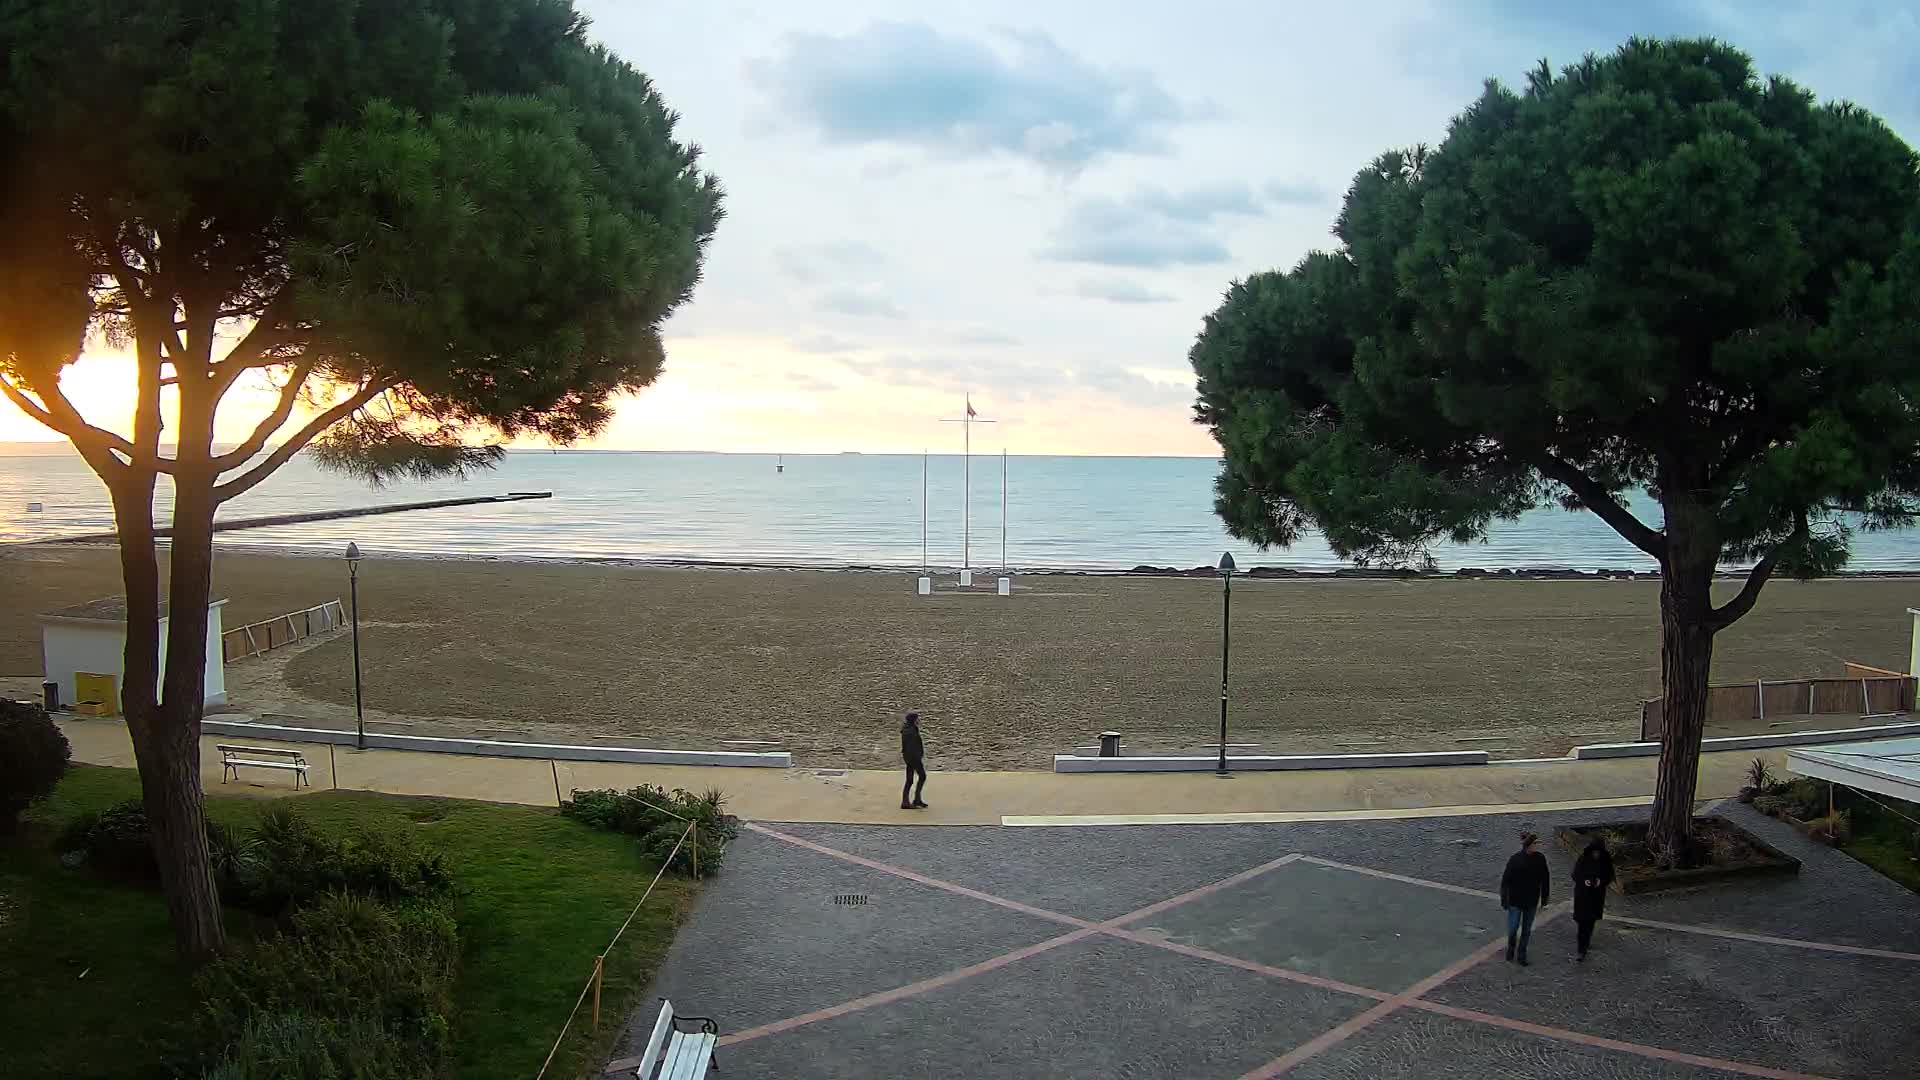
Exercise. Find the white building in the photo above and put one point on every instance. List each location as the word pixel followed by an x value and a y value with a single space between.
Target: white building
pixel 92 638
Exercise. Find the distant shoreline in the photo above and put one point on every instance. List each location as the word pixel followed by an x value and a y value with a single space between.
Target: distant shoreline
pixel 1269 573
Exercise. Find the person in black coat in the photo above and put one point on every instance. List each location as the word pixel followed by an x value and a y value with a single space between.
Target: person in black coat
pixel 1592 873
pixel 913 750
pixel 1523 888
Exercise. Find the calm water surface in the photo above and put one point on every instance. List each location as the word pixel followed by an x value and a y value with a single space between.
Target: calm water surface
pixel 828 510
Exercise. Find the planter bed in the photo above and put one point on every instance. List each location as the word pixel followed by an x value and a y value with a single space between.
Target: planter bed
pixel 1744 855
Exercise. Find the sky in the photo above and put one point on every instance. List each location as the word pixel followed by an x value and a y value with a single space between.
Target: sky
pixel 1036 203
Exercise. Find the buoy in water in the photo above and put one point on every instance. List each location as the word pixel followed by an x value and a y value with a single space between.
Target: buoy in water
pixel 35 508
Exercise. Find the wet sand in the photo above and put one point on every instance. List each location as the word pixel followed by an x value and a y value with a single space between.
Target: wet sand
pixel 822 663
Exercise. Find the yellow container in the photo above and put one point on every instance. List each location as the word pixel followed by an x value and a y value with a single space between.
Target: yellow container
pixel 95 695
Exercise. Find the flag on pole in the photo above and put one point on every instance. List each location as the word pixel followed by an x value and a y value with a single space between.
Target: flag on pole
pixel 970 411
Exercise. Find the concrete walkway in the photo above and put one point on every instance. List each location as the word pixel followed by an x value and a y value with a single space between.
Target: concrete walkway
pixel 962 798
pixel 1358 950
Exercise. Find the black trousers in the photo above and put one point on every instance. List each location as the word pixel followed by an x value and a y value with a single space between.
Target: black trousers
pixel 915 767
pixel 1586 935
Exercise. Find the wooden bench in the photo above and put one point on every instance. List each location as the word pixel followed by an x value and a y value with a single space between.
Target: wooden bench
pixel 261 757
pixel 680 1055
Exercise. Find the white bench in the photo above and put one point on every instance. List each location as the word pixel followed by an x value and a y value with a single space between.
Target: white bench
pixel 680 1055
pixel 261 757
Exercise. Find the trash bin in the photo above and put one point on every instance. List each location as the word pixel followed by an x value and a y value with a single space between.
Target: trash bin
pixel 50 695
pixel 1109 744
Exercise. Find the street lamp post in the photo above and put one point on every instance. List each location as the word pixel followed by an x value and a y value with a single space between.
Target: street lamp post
pixel 353 590
pixel 1226 643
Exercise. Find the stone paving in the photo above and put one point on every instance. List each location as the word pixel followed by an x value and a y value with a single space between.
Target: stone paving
pixel 1366 950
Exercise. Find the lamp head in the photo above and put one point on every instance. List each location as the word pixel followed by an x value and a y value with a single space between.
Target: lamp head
pixel 353 553
pixel 1226 563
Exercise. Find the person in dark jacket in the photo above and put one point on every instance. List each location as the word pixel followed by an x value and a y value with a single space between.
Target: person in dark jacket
pixel 1592 873
pixel 1523 888
pixel 913 750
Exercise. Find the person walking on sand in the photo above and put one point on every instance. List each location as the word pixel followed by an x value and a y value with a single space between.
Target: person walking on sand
pixel 1523 888
pixel 913 750
pixel 1592 873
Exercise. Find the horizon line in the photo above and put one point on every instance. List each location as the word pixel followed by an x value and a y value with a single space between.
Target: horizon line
pixel 68 446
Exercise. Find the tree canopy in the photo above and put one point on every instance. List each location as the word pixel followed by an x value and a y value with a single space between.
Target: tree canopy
pixel 429 224
pixel 1651 271
pixel 462 211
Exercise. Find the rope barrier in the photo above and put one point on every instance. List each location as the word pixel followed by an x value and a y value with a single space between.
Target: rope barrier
pixel 1882 805
pixel 620 794
pixel 594 979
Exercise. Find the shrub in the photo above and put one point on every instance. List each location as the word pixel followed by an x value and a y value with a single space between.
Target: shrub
pixel 659 817
pixel 33 757
pixel 116 840
pixel 1807 798
pixel 291 862
pixel 233 856
pixel 1835 828
pixel 1759 780
pixel 350 977
pixel 302 1046
pixel 1804 798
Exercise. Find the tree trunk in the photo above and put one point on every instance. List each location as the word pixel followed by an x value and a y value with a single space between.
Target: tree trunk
pixel 170 789
pixel 173 793
pixel 1686 669
pixel 166 743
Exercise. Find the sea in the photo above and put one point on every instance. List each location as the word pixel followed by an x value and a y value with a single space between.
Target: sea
pixel 808 510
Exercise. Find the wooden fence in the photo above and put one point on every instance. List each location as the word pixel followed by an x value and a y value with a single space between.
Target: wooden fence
pixel 256 638
pixel 1865 691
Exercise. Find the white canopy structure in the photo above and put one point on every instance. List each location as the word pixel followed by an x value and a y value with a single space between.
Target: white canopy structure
pixel 1889 767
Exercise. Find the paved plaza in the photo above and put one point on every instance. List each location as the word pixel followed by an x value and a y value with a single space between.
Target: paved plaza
pixel 1354 949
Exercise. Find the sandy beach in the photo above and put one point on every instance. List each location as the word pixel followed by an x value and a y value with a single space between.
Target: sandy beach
pixel 822 663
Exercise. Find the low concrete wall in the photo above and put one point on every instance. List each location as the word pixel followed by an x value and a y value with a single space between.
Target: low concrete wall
pixel 1751 742
pixel 1072 763
pixel 493 748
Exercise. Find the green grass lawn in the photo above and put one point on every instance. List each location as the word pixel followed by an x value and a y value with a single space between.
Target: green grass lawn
pixel 540 897
pixel 1880 837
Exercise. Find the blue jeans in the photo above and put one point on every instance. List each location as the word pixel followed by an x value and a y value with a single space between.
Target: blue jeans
pixel 1519 924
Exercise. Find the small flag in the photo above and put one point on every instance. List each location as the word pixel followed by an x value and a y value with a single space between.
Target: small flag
pixel 970 411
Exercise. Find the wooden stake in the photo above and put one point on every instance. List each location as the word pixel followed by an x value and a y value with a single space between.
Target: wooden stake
pixel 693 833
pixel 556 781
pixel 599 967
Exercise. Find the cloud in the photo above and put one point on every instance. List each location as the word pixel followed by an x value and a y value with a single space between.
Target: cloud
pixel 1198 205
pixel 1001 377
pixel 865 303
pixel 817 262
pixel 823 343
pixel 982 335
pixel 1141 248
pixel 1151 227
pixel 1298 191
pixel 907 83
pixel 812 384
pixel 1132 387
pixel 1119 291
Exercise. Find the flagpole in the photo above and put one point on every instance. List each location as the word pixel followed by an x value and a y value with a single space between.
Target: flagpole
pixel 966 487
pixel 1003 509
pixel 923 511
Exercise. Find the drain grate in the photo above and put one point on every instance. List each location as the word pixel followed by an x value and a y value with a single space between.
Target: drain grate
pixel 850 899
